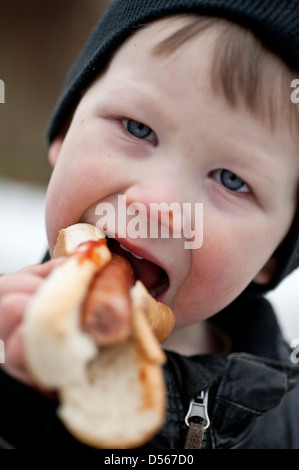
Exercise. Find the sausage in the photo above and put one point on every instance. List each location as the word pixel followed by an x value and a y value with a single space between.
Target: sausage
pixel 107 311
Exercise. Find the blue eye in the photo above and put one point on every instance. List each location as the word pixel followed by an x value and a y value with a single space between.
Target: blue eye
pixel 231 181
pixel 139 130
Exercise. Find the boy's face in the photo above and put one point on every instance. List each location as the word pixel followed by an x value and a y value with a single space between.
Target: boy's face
pixel 192 148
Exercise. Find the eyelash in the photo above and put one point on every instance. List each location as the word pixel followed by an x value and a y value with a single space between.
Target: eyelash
pixel 218 176
pixel 125 122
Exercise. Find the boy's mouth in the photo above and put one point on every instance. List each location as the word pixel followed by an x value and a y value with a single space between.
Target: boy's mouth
pixel 153 276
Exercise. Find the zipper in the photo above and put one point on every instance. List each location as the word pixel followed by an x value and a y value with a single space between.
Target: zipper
pixel 199 408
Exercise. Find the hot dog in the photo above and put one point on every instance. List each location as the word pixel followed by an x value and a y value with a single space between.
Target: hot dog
pixel 107 310
pixel 107 374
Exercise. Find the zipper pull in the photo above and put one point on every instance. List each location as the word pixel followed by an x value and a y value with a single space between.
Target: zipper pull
pixel 199 407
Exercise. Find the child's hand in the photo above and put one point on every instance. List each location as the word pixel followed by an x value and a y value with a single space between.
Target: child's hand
pixel 15 292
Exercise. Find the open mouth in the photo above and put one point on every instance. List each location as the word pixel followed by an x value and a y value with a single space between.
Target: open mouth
pixel 150 274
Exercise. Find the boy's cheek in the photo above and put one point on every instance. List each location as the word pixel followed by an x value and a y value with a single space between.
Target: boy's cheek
pixel 218 274
pixel 195 299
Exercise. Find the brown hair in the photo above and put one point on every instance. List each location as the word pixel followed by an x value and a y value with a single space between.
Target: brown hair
pixel 243 69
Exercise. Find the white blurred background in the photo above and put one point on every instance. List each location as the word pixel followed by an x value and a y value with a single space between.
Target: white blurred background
pixel 22 228
pixel 23 242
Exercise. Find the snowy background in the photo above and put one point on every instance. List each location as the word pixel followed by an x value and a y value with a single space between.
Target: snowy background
pixel 23 242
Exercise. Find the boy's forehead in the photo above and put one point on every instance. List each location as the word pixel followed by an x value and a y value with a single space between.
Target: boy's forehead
pixel 250 76
pixel 163 27
pixel 140 51
pixel 136 66
pixel 154 33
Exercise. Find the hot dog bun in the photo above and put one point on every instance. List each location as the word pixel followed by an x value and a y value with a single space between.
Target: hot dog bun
pixel 110 396
pixel 160 316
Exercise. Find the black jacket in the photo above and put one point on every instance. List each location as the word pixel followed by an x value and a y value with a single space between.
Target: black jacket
pixel 253 393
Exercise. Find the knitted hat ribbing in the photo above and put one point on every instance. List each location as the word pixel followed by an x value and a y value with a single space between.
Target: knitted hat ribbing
pixel 275 22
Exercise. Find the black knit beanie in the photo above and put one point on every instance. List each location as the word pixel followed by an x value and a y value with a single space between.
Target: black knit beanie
pixel 275 22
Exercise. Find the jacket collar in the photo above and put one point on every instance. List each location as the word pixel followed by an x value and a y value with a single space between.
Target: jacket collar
pixel 259 371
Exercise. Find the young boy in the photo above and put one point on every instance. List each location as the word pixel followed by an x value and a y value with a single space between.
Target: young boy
pixel 189 102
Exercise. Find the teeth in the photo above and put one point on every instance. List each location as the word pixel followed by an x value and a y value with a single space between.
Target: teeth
pixel 136 256
pixel 133 254
pixel 124 248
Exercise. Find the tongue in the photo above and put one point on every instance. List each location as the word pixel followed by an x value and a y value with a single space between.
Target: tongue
pixel 148 273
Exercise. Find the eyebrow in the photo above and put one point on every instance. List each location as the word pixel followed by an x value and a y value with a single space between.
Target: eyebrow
pixel 144 99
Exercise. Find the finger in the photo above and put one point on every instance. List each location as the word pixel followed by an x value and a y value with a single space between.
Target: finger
pixel 19 283
pixel 28 279
pixel 12 308
pixel 44 269
pixel 14 363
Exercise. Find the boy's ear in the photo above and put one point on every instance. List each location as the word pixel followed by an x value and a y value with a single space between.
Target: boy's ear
pixel 54 149
pixel 267 272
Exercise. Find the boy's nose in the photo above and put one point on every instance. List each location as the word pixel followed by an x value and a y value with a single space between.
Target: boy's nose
pixel 159 204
